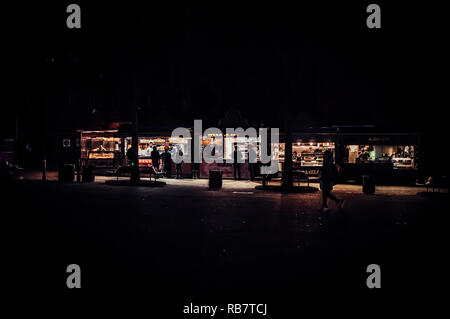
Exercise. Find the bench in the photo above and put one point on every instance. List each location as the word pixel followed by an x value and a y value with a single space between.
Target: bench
pixel 296 177
pixel 300 177
pixel 436 182
pixel 270 177
pixel 143 170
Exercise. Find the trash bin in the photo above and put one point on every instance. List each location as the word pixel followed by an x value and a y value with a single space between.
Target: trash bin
pixel 215 179
pixel 88 175
pixel 368 184
pixel 66 173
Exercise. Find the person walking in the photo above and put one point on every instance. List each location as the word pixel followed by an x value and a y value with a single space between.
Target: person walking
pixel 328 178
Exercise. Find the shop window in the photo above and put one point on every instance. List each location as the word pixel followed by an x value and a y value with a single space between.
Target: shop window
pixel 99 147
pixel 228 144
pixel 243 143
pixel 307 154
pixel 146 145
pixel 402 156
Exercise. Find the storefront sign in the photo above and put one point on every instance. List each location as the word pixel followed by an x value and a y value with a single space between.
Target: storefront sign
pixel 379 139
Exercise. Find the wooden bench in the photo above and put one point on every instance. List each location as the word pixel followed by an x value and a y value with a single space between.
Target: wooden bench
pixel 436 182
pixel 266 178
pixel 300 177
pixel 296 177
pixel 143 170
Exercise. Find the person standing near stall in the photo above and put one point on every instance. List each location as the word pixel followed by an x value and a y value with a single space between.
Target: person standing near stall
pixel 167 162
pixel 252 166
pixel 179 165
pixel 236 163
pixel 131 155
pixel 155 159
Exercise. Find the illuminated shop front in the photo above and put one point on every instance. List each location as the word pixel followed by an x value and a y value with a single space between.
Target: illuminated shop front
pixel 384 155
pixel 227 144
pixel 162 143
pixel 307 152
pixel 387 155
pixel 101 149
pixel 107 149
pixel 401 156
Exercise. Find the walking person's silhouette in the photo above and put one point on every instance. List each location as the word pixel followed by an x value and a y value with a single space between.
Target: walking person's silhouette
pixel 328 178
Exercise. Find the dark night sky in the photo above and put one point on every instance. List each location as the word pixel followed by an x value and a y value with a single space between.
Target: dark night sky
pixel 180 60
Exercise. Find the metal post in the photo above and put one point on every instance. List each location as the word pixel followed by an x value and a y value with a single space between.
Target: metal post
pixel 44 170
pixel 79 171
pixel 135 178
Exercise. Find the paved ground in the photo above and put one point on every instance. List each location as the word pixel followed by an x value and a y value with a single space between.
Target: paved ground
pixel 185 241
pixel 242 185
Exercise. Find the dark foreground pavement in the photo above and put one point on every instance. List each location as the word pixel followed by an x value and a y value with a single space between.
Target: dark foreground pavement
pixel 178 243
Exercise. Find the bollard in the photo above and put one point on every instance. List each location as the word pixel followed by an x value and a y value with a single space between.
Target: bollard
pixel 44 170
pixel 215 179
pixel 368 184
